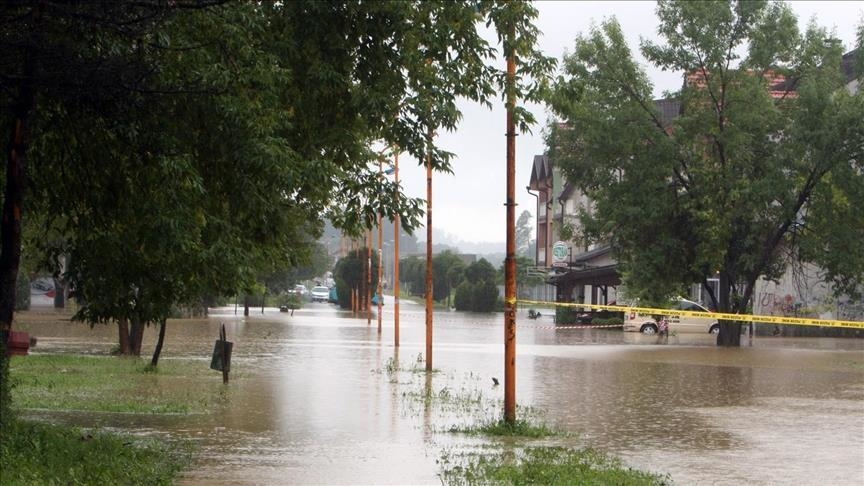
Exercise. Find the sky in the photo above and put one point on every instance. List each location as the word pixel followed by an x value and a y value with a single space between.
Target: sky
pixel 468 205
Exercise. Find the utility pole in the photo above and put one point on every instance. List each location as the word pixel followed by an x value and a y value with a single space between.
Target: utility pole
pixel 510 260
pixel 429 284
pixel 396 257
pixel 380 254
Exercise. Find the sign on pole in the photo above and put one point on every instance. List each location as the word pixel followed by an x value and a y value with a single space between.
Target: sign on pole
pixel 560 254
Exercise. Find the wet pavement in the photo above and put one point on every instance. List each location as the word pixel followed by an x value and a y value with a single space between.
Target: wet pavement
pixel 310 401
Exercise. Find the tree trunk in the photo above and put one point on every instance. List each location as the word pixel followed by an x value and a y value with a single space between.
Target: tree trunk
pixel 136 335
pixel 246 305
pixel 730 331
pixel 10 227
pixel 158 350
pixel 123 331
pixel 16 171
pixel 59 294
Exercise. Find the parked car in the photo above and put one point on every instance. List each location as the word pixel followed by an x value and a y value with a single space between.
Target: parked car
pixel 647 324
pixel 300 290
pixel 320 294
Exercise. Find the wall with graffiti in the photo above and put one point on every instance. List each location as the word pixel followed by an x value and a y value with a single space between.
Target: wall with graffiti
pixel 802 293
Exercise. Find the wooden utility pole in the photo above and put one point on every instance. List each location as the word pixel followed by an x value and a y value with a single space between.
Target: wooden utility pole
pixel 429 284
pixel 396 257
pixel 368 303
pixel 380 255
pixel 510 260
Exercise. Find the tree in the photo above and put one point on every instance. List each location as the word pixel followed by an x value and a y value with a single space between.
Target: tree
pixel 284 279
pixel 755 171
pixel 524 279
pixel 524 231
pixel 183 148
pixel 351 275
pixel 177 213
pixel 412 274
pixel 477 292
pixel 443 281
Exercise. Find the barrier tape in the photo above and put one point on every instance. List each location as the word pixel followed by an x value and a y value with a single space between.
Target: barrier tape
pixel 587 326
pixel 796 321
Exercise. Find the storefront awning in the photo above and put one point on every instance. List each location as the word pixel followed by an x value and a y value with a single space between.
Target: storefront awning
pixel 595 276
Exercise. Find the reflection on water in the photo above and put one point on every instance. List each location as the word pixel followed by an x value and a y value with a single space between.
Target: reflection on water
pixel 308 402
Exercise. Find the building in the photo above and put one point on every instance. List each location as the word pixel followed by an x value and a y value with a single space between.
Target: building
pixel 590 273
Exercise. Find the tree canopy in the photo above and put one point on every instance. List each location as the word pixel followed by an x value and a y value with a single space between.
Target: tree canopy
pixel 757 167
pixel 477 292
pixel 182 147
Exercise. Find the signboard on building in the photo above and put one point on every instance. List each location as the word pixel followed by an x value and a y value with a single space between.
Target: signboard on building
pixel 560 254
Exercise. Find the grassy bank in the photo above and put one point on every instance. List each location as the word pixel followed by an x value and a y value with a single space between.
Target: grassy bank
pixel 37 453
pixel 111 384
pixel 528 451
pixel 41 453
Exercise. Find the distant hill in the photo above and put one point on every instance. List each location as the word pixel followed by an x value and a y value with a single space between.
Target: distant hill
pixel 493 251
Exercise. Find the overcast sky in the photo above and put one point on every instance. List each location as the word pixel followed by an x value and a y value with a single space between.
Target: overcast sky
pixel 469 204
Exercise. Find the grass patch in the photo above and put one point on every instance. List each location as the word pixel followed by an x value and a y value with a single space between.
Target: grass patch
pixel 38 453
pixel 548 466
pixel 111 384
pixel 393 367
pixel 502 428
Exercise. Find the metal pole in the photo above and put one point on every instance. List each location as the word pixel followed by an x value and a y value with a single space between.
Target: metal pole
pixel 380 255
pixel 223 337
pixel 396 258
pixel 429 285
pixel 510 260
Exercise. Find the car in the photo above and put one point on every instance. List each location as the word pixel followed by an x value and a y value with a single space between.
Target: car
pixel 299 289
pixel 647 324
pixel 320 294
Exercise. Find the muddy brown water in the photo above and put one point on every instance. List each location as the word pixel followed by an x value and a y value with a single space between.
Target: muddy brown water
pixel 308 403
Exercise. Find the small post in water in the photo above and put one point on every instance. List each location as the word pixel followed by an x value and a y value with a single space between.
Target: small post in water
pixel 225 362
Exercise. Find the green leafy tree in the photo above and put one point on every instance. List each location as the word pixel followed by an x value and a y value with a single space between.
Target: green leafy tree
pixel 524 279
pixel 412 274
pixel 184 148
pixel 315 265
pixel 178 213
pixel 757 171
pixel 478 291
pixel 454 276
pixel 351 275
pixel 443 283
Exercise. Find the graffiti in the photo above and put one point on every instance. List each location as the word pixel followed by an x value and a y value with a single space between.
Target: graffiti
pixel 850 311
pixel 786 306
pixel 775 305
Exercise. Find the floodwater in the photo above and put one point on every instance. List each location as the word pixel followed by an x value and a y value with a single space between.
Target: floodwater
pixel 308 402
